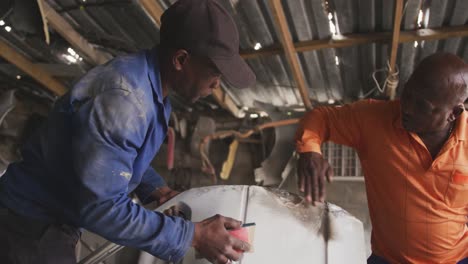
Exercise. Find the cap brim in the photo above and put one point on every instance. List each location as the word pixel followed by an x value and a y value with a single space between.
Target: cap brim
pixel 235 71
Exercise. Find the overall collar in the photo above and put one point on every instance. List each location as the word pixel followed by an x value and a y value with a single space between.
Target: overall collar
pixel 154 74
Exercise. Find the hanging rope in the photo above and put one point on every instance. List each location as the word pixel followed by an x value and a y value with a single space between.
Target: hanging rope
pixel 390 83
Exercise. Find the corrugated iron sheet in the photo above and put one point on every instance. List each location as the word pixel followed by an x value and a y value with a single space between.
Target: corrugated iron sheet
pixel 121 26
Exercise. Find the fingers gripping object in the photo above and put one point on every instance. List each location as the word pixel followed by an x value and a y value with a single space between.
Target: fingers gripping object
pixel 181 209
pixel 184 211
pixel 246 233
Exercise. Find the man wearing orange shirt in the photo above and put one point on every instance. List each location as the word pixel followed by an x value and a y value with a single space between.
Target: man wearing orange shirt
pixel 414 155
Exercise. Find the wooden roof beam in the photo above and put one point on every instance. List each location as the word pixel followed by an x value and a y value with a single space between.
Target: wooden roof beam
pixel 434 34
pixel 348 40
pixel 36 72
pixel 56 70
pixel 391 89
pixel 290 50
pixel 226 102
pixel 78 42
pixel 153 9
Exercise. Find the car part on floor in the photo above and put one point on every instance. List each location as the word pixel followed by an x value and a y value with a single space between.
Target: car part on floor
pixel 269 174
pixel 207 166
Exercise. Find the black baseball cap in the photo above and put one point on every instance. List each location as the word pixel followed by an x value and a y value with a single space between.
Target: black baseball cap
pixel 205 28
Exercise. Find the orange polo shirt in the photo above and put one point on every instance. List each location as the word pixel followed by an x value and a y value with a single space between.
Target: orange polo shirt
pixel 418 206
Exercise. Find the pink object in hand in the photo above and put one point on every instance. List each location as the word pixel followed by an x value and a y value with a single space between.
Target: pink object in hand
pixel 245 233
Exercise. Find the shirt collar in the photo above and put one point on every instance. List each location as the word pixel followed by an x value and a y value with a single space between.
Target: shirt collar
pixel 154 73
pixel 460 125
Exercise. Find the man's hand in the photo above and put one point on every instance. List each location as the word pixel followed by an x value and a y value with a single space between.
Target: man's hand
pixel 163 194
pixel 173 211
pixel 312 170
pixel 213 241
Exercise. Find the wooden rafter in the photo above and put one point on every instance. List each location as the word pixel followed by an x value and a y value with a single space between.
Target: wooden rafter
pixel 78 42
pixel 348 40
pixel 290 51
pixel 56 70
pixel 310 45
pixel 391 91
pixel 155 11
pixel 36 72
pixel 434 34
pixel 226 102
pixel 396 33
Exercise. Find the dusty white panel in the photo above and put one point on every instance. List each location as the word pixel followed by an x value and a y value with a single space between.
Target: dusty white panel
pixel 346 243
pixel 287 230
pixel 228 200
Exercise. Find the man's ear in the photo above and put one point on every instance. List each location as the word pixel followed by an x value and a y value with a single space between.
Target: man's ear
pixel 179 59
pixel 456 112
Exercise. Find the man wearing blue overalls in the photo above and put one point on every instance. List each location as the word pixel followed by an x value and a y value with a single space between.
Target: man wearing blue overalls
pixel 98 142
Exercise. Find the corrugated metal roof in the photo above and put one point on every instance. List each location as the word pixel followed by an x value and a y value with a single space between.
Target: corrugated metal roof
pixel 121 26
pixel 352 78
